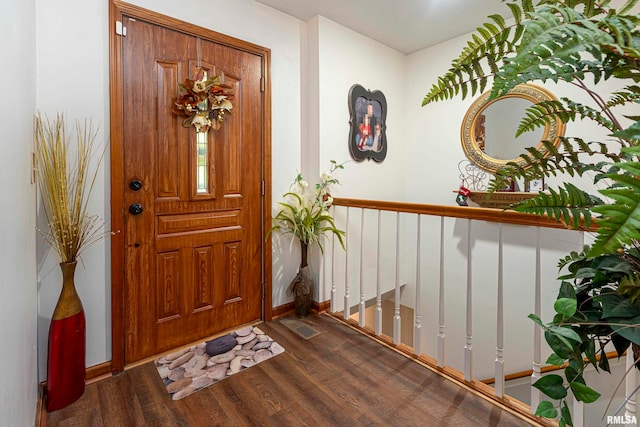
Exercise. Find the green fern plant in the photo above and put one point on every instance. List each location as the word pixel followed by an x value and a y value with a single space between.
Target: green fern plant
pixel 581 43
pixel 561 40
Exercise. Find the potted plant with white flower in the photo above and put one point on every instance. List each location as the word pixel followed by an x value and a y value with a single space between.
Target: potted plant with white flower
pixel 305 214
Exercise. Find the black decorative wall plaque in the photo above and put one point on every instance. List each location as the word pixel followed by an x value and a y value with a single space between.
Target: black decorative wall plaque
pixel 367 137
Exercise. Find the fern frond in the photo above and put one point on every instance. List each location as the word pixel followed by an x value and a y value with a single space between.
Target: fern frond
pixel 620 220
pixel 627 7
pixel 545 112
pixel 479 59
pixel 630 134
pixel 569 204
pixel 542 114
pixel 586 112
pixel 590 8
pixel 633 151
pixel 552 42
pixel 550 161
pixel 572 257
pixel 630 286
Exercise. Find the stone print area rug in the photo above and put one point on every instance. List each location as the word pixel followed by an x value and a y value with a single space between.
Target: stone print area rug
pixel 191 369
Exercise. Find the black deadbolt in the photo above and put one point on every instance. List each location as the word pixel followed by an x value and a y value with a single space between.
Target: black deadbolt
pixel 135 185
pixel 135 208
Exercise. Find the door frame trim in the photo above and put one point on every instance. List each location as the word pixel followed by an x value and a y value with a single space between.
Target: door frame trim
pixel 118 9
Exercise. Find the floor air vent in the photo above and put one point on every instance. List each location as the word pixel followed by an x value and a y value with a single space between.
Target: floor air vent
pixel 300 328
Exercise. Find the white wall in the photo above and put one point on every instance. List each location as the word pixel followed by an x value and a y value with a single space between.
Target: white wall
pixel 338 59
pixel 348 58
pixel 18 312
pixel 72 78
pixel 433 131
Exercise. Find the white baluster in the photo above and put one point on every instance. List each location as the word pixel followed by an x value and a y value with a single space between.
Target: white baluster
pixel 417 330
pixel 361 318
pixel 333 266
pixel 321 278
pixel 441 334
pixel 396 312
pixel 499 374
pixel 630 383
pixel 577 413
pixel 537 331
pixel 378 325
pixel 347 308
pixel 468 347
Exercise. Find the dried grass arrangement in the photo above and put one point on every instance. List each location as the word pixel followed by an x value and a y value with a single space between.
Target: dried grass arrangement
pixel 65 182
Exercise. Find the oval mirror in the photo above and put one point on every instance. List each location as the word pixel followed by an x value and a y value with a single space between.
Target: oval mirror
pixel 489 128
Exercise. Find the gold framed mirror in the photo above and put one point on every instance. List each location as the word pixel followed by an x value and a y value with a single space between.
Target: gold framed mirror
pixel 489 127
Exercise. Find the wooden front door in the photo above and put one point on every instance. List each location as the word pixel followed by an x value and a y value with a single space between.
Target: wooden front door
pixel 192 226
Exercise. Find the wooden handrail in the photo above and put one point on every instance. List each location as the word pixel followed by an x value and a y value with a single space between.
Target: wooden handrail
pixel 548 368
pixel 466 212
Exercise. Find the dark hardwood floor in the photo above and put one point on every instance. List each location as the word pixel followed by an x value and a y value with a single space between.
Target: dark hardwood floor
pixel 337 378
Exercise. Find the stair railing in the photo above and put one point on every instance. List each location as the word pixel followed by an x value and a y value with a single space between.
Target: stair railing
pixel 419 258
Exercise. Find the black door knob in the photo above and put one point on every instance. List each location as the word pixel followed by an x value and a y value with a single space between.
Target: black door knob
pixel 135 209
pixel 135 185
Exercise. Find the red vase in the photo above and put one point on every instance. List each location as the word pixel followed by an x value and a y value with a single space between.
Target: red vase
pixel 66 357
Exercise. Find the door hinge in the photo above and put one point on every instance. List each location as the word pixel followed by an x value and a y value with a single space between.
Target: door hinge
pixel 262 190
pixel 261 84
pixel 121 30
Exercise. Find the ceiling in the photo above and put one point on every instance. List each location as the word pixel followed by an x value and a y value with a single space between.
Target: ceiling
pixel 405 25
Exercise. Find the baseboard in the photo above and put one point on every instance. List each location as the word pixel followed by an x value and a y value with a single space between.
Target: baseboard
pixel 93 374
pixel 98 372
pixel 289 308
pixel 283 310
pixel 321 307
pixel 41 412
